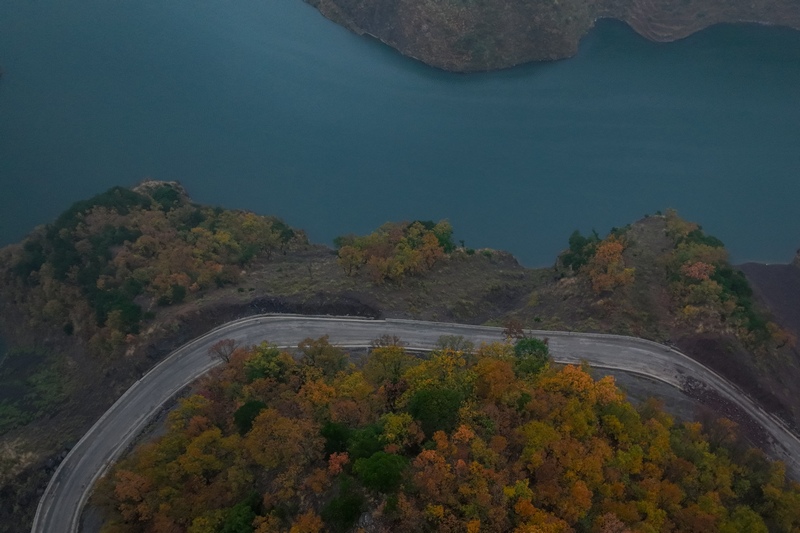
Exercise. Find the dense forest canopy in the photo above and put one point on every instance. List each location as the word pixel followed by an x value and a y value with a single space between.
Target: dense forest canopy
pixel 491 439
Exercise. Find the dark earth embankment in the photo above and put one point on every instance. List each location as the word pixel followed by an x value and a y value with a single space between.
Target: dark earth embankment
pixel 778 286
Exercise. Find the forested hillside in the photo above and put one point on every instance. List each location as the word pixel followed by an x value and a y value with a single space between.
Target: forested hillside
pixel 106 265
pixel 92 300
pixel 492 439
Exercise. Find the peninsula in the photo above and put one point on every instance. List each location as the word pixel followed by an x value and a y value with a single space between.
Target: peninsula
pixel 480 35
pixel 92 301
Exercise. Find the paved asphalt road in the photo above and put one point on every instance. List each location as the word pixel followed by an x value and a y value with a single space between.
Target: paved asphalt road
pixel 60 507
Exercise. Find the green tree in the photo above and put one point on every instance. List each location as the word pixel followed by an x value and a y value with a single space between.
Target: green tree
pixel 436 409
pixel 268 361
pixel 239 519
pixel 365 441
pixel 387 363
pixel 336 437
pixel 381 471
pixel 533 356
pixel 244 416
pixel 344 509
pixel 581 249
pixel 743 519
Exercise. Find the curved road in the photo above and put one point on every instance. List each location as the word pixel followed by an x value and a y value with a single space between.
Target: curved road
pixel 60 507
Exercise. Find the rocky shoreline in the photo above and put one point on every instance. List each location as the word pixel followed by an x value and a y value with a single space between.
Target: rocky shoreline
pixel 483 35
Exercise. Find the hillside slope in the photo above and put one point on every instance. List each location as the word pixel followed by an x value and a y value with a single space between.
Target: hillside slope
pixel 94 299
pixel 467 36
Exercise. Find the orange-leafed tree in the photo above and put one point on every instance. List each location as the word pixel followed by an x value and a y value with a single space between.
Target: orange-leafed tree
pixel 606 268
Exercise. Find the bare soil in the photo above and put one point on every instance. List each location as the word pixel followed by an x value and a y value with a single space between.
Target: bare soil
pixel 778 288
pixel 750 430
pixel 776 392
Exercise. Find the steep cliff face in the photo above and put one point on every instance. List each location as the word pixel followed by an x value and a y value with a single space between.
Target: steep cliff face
pixel 476 35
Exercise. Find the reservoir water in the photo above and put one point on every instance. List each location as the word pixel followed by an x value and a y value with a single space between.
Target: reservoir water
pixel 265 105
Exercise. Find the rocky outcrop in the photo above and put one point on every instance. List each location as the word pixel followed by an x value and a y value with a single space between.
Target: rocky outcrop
pixel 477 35
pixel 149 187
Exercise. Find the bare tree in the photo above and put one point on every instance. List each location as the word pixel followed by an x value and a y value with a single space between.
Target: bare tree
pixel 387 340
pixel 513 329
pixel 223 349
pixel 455 342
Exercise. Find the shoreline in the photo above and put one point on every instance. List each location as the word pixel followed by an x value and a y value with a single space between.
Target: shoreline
pixel 485 38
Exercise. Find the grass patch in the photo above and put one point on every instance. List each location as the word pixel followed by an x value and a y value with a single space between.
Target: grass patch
pixel 11 416
pixel 31 384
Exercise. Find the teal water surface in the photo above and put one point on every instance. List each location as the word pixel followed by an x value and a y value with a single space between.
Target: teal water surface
pixel 265 105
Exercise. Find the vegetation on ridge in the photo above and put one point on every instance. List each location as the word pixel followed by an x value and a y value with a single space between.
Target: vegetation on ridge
pixel 707 289
pixel 108 262
pixel 396 250
pixel 662 272
pixel 600 260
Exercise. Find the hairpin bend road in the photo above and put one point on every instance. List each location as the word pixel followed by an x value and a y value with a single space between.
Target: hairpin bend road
pixel 62 502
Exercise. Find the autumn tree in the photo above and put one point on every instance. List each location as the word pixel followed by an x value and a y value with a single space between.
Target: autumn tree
pixel 321 354
pixel 351 259
pixel 456 343
pixel 268 361
pixel 606 268
pixel 223 349
pixel 387 364
pixel 275 440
